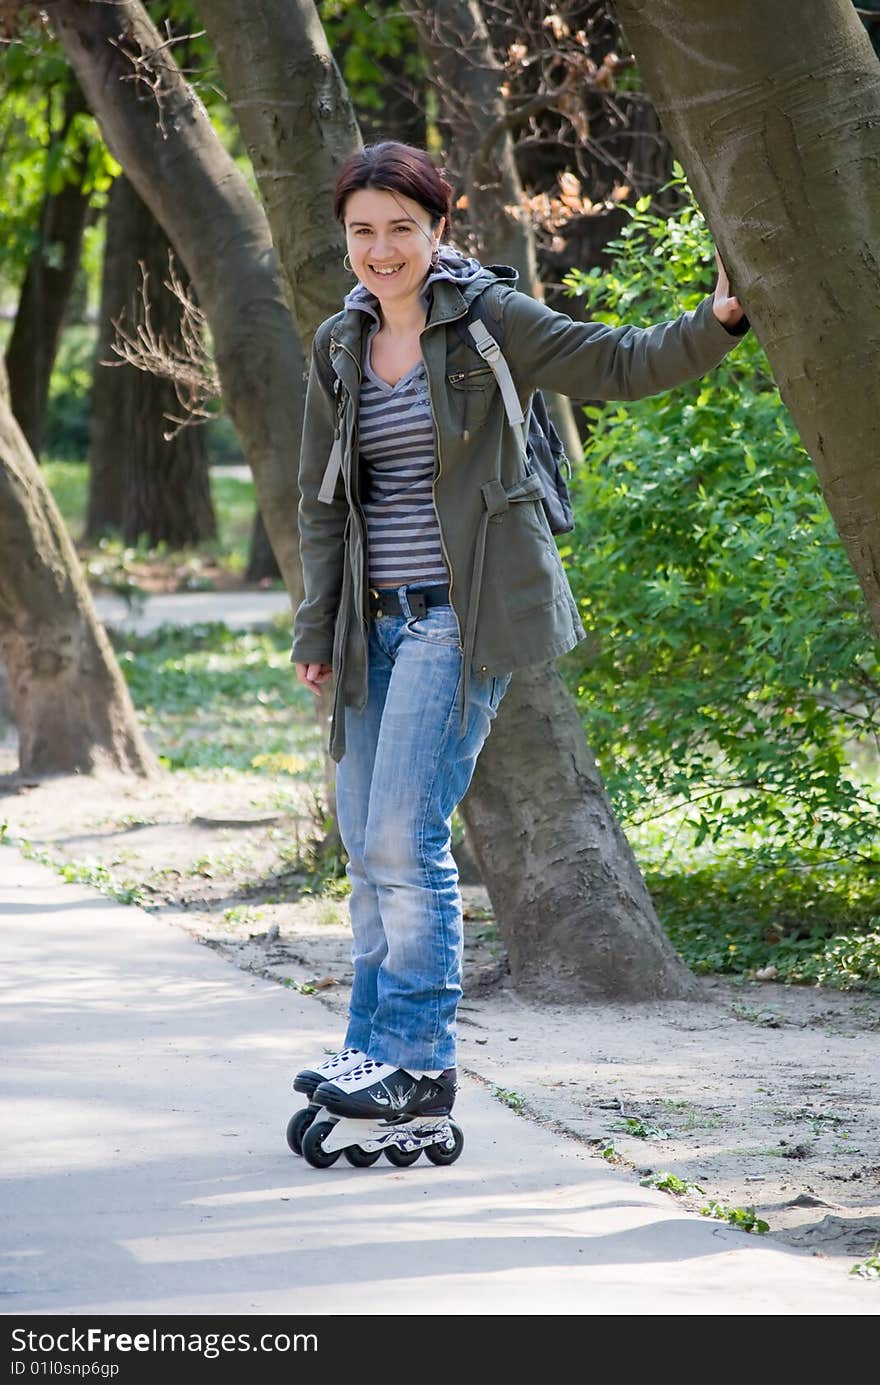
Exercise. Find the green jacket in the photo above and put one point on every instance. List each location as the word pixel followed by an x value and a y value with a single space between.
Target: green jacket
pixel 507 584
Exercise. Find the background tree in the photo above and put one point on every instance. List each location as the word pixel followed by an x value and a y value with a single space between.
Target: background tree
pixel 775 115
pixel 160 132
pixel 156 486
pixel 53 176
pixel 70 703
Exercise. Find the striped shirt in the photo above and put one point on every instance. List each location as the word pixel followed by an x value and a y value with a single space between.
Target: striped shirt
pixel 397 451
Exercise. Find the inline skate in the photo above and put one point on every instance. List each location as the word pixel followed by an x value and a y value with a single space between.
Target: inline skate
pixel 306 1082
pixel 377 1109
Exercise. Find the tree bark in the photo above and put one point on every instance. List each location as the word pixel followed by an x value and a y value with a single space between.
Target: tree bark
pixel 297 122
pixel 45 294
pixel 160 133
pixel 161 486
pixel 577 888
pixel 71 705
pixel 261 565
pixel 774 112
pixel 568 895
pixel 456 42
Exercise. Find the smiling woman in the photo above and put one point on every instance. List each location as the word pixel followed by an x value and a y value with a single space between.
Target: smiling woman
pixel 430 574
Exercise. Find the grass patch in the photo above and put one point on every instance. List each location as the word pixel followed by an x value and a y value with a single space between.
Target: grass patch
pixel 114 565
pixel 746 909
pixel 512 1099
pixel 219 701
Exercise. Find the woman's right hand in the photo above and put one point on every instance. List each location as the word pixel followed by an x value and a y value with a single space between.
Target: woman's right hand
pixel 314 676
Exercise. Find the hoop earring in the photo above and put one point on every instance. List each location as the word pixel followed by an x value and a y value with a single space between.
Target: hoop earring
pixel 435 258
pixel 347 263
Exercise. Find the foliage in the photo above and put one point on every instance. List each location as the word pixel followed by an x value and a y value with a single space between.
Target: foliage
pixel 869 1268
pixel 669 1183
pixel 361 35
pixel 641 1129
pixel 86 872
pixel 743 1217
pixel 512 1099
pixel 730 684
pixel 743 909
pixel 43 149
pixel 216 700
pixel 118 566
pixel 68 411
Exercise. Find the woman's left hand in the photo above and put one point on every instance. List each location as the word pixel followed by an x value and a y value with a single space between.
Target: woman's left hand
pixel 726 307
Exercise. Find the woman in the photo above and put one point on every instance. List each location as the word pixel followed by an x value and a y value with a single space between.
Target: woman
pixel 430 574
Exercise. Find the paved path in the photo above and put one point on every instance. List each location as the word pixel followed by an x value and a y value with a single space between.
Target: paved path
pixel 239 610
pixel 144 1166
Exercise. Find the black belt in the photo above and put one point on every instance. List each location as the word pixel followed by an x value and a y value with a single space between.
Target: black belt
pixel 384 601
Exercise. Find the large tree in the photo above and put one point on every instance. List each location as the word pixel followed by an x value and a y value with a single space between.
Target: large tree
pixel 569 897
pixel 159 130
pixel 455 40
pixel 50 274
pixel 155 487
pixel 71 705
pixel 774 111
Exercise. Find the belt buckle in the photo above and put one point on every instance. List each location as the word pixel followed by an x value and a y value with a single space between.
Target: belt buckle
pixel 418 604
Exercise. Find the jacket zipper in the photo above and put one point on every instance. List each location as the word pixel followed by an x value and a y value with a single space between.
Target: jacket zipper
pixel 357 491
pixel 437 471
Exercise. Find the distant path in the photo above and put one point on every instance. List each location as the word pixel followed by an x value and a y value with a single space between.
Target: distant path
pixel 238 610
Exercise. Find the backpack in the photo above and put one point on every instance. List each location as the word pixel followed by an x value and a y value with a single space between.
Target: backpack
pixel 541 445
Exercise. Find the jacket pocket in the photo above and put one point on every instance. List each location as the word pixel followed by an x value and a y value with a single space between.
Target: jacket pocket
pixel 525 558
pixel 471 394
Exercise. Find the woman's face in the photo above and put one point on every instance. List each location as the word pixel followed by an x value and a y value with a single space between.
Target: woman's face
pixel 388 232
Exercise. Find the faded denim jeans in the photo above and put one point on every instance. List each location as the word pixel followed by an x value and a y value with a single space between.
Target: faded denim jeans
pixel 405 769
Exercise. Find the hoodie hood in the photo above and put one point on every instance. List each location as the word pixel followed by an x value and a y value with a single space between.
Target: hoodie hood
pixel 452 267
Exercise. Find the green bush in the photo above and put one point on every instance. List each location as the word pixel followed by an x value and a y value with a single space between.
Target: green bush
pixel 730 685
pixel 70 394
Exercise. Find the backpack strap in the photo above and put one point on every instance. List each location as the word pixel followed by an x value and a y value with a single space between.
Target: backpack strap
pixel 492 354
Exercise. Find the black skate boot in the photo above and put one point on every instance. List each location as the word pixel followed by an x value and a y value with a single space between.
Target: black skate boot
pixel 307 1080
pixel 377 1108
pixel 372 1089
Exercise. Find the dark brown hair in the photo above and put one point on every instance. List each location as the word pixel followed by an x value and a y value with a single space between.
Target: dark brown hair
pixel 395 167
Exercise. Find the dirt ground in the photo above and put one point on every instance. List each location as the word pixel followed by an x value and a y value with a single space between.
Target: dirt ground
pixel 765 1096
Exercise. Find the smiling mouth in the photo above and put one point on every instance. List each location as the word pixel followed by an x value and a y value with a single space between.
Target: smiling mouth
pixel 386 273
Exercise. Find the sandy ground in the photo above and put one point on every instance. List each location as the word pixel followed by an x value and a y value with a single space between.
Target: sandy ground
pixel 765 1096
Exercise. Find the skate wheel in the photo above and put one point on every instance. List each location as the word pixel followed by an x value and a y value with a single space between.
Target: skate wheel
pixel 360 1158
pixel 297 1126
pixel 313 1145
pixel 441 1154
pixel 401 1158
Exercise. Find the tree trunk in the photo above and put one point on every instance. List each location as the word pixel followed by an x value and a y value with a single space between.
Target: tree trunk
pixel 774 111
pixel 456 42
pixel 106 469
pixel 296 119
pixel 70 702
pixel 161 486
pixel 585 898
pixel 162 136
pixel 45 294
pixel 569 898
pixel 262 565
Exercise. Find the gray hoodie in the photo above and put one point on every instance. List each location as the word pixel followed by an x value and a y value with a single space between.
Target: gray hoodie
pixel 453 267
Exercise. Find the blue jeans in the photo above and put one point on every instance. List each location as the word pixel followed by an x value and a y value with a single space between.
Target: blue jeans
pixel 404 771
